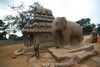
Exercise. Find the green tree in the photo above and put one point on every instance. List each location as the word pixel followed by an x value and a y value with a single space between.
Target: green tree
pixel 3 28
pixel 93 25
pixel 1 36
pixel 98 28
pixel 85 23
pixel 12 36
pixel 14 31
pixel 1 24
pixel 23 16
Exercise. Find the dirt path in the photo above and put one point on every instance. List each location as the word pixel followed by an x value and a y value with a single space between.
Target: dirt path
pixel 6 52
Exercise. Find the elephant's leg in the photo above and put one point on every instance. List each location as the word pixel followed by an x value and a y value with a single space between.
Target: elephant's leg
pixel 56 39
pixel 60 38
pixel 68 39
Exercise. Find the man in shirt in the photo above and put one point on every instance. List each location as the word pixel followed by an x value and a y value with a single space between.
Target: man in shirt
pixel 36 48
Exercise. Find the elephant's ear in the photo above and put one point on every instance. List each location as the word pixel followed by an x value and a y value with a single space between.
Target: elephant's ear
pixel 64 19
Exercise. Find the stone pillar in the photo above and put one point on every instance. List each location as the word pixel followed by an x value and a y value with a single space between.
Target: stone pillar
pixel 25 38
pixel 31 39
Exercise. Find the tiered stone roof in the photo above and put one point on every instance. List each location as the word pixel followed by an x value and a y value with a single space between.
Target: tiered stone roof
pixel 41 22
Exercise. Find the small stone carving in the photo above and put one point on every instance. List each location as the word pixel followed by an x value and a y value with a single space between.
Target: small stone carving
pixel 94 33
pixel 93 37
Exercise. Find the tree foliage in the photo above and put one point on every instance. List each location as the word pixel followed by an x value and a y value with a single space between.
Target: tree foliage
pixel 23 16
pixel 12 36
pixel 3 28
pixel 1 23
pixel 98 28
pixel 85 23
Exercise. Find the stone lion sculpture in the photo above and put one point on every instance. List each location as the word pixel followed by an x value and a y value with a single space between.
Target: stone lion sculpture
pixel 93 38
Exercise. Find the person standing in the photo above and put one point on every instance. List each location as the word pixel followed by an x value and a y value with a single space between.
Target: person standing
pixel 36 48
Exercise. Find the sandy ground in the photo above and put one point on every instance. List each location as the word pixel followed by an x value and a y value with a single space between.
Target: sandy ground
pixel 7 51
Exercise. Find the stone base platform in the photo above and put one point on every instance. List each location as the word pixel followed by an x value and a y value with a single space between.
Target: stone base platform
pixel 23 50
pixel 69 56
pixel 69 49
pixel 29 49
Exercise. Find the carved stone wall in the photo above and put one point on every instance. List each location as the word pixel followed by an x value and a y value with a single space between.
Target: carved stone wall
pixel 43 37
pixel 40 27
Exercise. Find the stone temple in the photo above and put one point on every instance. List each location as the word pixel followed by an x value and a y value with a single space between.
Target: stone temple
pixel 40 27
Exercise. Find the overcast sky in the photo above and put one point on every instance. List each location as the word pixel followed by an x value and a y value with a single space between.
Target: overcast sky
pixel 71 9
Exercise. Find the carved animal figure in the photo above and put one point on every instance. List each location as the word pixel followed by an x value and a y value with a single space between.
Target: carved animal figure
pixel 94 32
pixel 39 10
pixel 66 32
pixel 93 39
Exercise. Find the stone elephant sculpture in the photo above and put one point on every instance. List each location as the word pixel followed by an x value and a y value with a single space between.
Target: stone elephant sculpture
pixel 66 32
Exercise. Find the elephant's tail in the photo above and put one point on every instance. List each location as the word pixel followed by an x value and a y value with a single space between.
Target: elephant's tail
pixel 81 38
